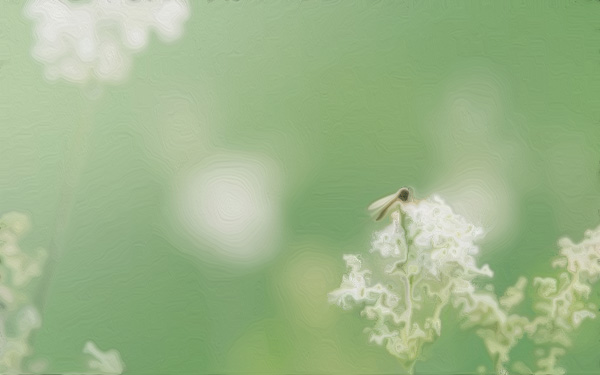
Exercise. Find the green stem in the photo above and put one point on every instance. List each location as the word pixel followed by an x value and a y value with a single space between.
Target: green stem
pixel 73 167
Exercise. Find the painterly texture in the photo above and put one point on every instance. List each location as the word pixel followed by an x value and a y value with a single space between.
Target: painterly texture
pixel 196 175
pixel 425 261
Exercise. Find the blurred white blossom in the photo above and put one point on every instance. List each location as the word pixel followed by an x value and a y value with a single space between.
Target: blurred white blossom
pixel 18 315
pixel 108 362
pixel 229 206
pixel 95 39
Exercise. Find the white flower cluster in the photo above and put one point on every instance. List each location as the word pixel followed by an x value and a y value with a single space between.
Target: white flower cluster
pixel 424 261
pixel 419 261
pixel 18 315
pixel 95 39
pixel 108 362
pixel 560 304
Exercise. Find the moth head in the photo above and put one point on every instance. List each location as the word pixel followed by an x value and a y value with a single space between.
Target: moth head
pixel 404 194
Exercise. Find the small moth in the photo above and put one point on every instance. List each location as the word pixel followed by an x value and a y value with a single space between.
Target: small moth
pixel 381 206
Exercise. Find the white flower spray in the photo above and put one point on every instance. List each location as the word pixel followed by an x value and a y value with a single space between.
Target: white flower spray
pixel 95 40
pixel 425 260
pixel 18 315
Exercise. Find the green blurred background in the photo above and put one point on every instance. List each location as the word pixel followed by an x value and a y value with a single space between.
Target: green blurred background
pixel 493 105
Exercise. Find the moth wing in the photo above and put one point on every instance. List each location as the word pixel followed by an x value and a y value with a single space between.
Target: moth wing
pixel 380 203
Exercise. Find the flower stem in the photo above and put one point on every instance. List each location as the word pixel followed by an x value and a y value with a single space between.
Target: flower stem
pixel 73 167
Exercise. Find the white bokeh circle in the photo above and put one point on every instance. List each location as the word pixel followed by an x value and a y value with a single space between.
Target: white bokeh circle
pixel 229 207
